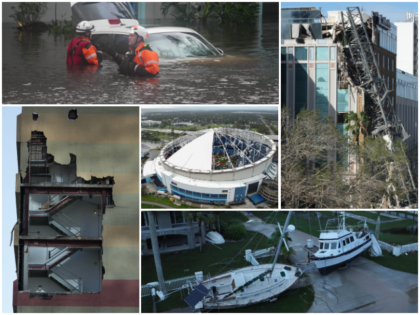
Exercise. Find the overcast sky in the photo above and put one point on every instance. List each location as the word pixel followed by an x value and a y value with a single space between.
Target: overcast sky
pixel 394 11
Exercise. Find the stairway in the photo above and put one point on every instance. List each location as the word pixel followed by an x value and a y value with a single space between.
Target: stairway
pixel 62 204
pixel 66 279
pixel 63 224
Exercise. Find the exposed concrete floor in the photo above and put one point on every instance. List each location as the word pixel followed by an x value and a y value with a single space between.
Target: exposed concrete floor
pixel 362 287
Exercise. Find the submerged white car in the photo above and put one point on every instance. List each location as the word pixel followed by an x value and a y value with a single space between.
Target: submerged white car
pixel 113 21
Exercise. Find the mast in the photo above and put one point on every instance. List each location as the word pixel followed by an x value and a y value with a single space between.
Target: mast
pixel 344 220
pixel 281 239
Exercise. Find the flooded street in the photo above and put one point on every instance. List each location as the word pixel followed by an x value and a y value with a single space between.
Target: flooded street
pixel 35 71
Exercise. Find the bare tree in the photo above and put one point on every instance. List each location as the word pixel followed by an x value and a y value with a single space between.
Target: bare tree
pixel 311 177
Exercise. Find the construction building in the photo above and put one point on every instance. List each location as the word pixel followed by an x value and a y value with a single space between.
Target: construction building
pixel 341 63
pixel 76 242
pixel 408 44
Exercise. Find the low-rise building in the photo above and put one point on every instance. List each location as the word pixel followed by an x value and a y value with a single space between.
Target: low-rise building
pixel 173 231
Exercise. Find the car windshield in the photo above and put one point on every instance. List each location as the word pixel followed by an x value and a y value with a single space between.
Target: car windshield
pixel 180 45
pixel 91 11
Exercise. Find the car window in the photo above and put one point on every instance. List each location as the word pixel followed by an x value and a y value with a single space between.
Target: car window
pixel 180 45
pixel 91 11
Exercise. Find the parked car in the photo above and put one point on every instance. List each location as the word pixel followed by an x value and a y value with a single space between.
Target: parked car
pixel 113 21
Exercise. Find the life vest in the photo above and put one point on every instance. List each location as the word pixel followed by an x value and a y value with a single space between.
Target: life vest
pixel 147 58
pixel 81 51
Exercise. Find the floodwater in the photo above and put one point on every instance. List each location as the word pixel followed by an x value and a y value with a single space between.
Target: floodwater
pixel 147 145
pixel 35 71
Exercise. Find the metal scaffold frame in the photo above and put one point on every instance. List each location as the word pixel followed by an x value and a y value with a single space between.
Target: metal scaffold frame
pixel 382 112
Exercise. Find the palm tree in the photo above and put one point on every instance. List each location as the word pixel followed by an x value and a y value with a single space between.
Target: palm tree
pixel 275 238
pixel 198 217
pixel 355 123
pixel 288 253
pixel 217 214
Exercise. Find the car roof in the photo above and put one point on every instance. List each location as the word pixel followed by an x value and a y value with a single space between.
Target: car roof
pixel 166 29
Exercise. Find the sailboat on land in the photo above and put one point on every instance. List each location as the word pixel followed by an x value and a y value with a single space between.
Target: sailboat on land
pixel 245 286
pixel 337 247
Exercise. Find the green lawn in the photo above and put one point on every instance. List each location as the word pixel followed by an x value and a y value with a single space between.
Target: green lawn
pixel 228 215
pixel 146 206
pixel 406 263
pixel 214 261
pixel 165 201
pixel 399 239
pixel 370 215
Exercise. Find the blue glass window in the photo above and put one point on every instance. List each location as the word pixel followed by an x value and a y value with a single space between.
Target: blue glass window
pixel 321 53
pixel 283 54
pixel 322 86
pixel 301 53
pixel 342 100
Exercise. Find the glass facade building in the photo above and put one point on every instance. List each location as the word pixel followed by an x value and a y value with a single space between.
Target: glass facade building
pixel 300 16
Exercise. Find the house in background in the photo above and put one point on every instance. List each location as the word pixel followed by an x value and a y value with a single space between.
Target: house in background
pixel 173 231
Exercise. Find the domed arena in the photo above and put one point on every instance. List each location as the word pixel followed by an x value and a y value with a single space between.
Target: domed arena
pixel 213 166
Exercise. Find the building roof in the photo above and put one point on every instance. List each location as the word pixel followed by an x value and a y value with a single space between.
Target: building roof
pixel 149 169
pixel 195 155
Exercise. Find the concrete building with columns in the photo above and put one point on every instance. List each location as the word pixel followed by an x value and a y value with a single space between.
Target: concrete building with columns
pixel 173 231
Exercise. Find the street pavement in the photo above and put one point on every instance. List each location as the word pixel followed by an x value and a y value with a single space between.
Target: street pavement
pixel 362 287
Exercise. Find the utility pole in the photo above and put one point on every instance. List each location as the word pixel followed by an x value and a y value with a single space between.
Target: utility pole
pixel 155 246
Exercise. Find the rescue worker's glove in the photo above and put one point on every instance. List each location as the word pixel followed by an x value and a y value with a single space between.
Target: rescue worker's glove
pixel 99 56
pixel 110 51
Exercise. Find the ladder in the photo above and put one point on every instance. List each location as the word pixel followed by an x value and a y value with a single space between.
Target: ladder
pixel 381 110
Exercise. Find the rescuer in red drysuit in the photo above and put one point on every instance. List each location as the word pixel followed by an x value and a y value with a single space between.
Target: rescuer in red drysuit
pixel 81 51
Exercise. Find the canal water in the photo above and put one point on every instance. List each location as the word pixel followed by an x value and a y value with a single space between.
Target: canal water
pixel 35 71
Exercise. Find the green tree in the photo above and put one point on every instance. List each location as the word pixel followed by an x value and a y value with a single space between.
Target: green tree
pixel 199 217
pixel 275 238
pixel 29 12
pixel 287 254
pixel 355 124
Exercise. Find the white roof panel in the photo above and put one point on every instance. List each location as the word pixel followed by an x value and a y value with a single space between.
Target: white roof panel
pixel 195 155
pixel 149 169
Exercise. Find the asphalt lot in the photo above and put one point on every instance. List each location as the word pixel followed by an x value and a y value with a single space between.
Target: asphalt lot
pixel 362 287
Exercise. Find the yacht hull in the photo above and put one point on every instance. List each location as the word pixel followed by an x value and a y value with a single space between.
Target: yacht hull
pixel 326 265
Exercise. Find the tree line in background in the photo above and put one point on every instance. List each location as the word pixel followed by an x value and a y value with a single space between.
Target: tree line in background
pixel 310 179
pixel 222 12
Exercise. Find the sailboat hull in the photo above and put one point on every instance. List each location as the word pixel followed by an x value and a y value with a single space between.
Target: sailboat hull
pixel 222 288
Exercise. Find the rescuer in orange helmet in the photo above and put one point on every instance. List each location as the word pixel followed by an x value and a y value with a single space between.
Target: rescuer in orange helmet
pixel 141 60
pixel 80 50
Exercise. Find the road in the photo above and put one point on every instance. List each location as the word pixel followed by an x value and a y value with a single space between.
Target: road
pixel 271 132
pixel 362 287
pixel 157 204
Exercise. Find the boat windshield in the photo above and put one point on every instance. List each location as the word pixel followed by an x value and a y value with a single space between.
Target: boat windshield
pixel 321 245
pixel 333 245
pixel 327 246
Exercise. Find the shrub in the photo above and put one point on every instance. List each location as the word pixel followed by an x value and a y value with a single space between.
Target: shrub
pixel 236 232
pixel 234 221
pixel 29 12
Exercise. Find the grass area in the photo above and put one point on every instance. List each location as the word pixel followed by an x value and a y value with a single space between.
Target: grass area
pixel 215 261
pixel 394 225
pixel 399 239
pixel 146 206
pixel 407 263
pixel 370 215
pixel 229 215
pixel 165 201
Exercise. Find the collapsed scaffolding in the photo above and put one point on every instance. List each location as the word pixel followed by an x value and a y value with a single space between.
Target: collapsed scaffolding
pixel 367 76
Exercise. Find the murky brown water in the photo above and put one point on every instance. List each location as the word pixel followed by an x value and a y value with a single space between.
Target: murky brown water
pixel 35 71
